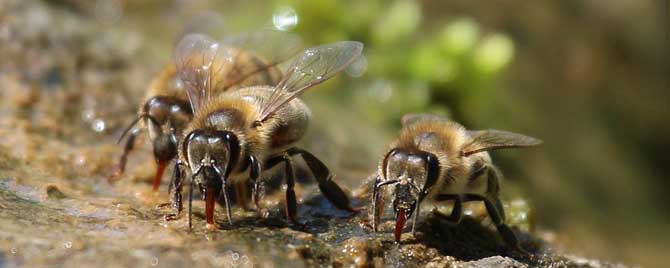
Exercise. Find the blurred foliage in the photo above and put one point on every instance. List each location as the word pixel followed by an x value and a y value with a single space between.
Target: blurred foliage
pixel 440 69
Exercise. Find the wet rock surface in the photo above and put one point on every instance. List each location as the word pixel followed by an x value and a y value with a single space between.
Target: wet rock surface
pixel 66 93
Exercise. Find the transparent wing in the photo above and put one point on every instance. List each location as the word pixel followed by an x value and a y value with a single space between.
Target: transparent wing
pixel 312 67
pixel 194 58
pixel 206 66
pixel 255 53
pixel 486 140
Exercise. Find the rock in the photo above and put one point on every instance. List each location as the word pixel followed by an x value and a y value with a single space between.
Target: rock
pixel 494 262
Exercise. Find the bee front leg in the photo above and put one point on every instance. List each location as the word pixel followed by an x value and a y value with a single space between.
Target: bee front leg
pixel 322 174
pixel 254 175
pixel 130 143
pixel 377 203
pixel 175 192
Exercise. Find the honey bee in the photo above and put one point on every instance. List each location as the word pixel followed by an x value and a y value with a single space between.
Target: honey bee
pixel 435 159
pixel 240 133
pixel 244 60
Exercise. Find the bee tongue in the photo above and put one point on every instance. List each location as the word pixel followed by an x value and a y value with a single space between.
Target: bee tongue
pixel 209 205
pixel 159 175
pixel 399 223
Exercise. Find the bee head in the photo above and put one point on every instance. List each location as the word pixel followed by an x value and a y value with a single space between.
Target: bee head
pixel 211 154
pixel 163 113
pixel 164 116
pixel 412 174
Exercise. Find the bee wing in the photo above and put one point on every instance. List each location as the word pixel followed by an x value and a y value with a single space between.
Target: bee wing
pixel 194 58
pixel 203 62
pixel 312 67
pixel 268 49
pixel 491 139
pixel 412 118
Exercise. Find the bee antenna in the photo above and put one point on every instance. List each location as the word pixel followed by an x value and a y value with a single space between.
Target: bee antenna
pixel 386 183
pixel 132 125
pixel 129 127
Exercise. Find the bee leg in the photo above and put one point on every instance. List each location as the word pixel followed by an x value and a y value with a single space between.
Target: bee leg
pixel 255 174
pixel 377 204
pixel 130 143
pixel 190 203
pixel 229 211
pixel 175 192
pixel 497 217
pixel 291 203
pixel 416 217
pixel 328 187
pixel 241 195
pixel 290 207
pixel 456 211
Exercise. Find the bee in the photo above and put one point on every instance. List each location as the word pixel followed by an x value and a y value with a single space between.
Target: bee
pixel 235 136
pixel 435 160
pixel 246 60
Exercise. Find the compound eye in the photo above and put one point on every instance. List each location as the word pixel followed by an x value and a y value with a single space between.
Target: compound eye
pixel 158 108
pixel 415 161
pixel 180 115
pixel 196 150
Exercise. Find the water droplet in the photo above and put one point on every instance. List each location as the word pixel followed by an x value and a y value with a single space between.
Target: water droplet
pixel 154 261
pixel 285 19
pixel 98 125
pixel 236 256
pixel 358 67
pixel 14 250
pixel 88 115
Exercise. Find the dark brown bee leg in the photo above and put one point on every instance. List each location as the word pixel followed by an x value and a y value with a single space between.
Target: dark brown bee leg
pixel 241 195
pixel 255 174
pixel 377 204
pixel 130 143
pixel 290 207
pixel 456 211
pixel 497 217
pixel 291 203
pixel 190 202
pixel 328 187
pixel 175 192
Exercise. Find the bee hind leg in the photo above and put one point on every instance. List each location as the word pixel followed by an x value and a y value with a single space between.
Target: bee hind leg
pixel 323 176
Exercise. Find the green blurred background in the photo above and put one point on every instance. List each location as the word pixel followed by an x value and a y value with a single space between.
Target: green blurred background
pixel 587 77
